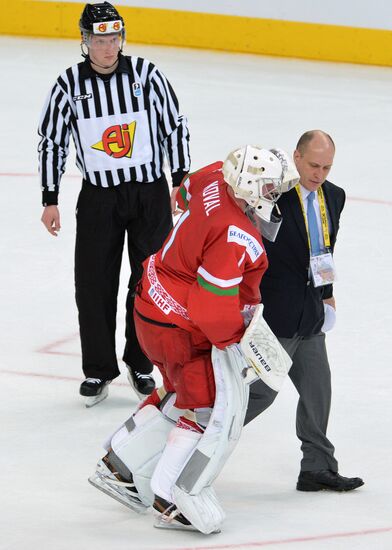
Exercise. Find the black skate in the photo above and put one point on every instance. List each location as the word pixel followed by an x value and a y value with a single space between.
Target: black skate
pixel 143 384
pixel 94 390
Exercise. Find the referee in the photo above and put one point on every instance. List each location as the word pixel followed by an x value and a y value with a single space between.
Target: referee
pixel 124 119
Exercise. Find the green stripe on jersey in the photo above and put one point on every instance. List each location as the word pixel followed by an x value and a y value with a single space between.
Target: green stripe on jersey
pixel 233 291
pixel 183 195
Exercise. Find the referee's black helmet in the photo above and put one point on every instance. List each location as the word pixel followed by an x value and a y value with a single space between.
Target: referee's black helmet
pixel 95 17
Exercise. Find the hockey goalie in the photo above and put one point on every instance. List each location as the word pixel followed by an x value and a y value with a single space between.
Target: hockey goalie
pixel 198 318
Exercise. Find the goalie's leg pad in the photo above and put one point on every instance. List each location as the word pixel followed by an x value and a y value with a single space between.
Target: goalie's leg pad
pixel 206 513
pixel 202 510
pixel 225 424
pixel 138 445
pixel 180 445
pixel 192 493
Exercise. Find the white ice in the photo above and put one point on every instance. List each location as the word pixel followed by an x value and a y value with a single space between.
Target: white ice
pixel 50 442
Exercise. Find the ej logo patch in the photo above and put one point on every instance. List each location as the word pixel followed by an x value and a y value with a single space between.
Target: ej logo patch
pixel 117 141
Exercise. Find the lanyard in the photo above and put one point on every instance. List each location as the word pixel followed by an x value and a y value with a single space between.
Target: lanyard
pixel 323 214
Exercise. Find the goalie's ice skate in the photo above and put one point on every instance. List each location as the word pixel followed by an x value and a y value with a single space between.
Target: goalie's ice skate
pixel 113 485
pixel 167 516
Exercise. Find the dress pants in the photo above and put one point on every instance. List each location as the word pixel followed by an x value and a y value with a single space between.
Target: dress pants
pixel 103 217
pixel 311 375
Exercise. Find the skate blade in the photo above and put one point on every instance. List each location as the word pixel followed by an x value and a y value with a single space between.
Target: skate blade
pixel 111 491
pixel 162 523
pixel 95 399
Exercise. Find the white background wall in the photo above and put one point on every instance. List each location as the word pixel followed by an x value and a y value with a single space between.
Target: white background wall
pixel 376 14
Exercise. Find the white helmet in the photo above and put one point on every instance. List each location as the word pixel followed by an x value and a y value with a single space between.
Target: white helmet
pixel 260 176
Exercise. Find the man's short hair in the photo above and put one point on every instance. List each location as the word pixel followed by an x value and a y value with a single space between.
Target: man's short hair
pixel 307 137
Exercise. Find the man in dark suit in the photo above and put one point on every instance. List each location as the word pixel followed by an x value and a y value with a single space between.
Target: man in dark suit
pixel 298 309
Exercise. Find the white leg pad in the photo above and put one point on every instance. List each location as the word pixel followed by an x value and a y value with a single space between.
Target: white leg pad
pixel 225 425
pixel 202 510
pixel 192 492
pixel 180 445
pixel 139 444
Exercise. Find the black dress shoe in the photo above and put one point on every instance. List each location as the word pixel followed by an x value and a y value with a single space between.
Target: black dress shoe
pixel 326 479
pixel 143 384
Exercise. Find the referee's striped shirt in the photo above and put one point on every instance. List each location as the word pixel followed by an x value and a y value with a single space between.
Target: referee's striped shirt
pixel 122 125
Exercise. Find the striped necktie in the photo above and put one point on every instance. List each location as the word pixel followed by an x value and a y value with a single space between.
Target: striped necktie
pixel 312 226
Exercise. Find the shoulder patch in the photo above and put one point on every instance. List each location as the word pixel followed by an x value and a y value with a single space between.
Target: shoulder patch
pixel 253 247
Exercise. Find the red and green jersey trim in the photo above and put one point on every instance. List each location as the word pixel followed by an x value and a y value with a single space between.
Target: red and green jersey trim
pixel 183 193
pixel 219 291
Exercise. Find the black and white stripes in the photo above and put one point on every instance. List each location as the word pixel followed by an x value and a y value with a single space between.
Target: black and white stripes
pixel 122 125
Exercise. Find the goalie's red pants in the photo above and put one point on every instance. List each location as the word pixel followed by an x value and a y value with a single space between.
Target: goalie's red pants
pixel 183 358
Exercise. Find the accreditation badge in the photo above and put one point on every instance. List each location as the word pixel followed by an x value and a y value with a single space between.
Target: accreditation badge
pixel 322 268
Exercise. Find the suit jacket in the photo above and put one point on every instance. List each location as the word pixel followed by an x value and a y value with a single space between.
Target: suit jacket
pixel 292 305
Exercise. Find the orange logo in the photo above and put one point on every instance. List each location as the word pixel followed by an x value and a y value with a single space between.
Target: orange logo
pixel 102 27
pixel 117 141
pixel 116 25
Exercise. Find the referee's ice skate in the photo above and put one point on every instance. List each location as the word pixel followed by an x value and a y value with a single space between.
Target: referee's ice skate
pixel 112 484
pixel 94 390
pixel 143 384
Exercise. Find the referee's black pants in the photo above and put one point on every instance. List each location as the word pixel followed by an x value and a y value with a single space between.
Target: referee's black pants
pixel 103 217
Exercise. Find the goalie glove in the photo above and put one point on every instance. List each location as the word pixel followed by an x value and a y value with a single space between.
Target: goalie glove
pixel 264 353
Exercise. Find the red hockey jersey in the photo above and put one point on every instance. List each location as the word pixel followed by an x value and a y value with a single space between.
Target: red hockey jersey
pixel 211 264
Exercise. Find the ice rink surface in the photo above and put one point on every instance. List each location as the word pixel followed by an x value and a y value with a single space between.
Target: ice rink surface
pixel 50 442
